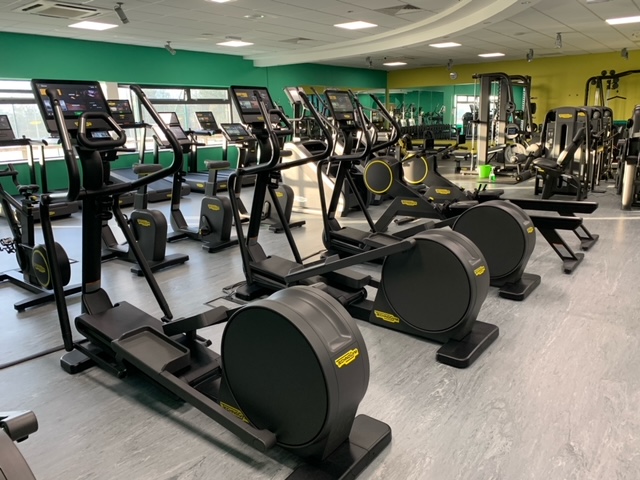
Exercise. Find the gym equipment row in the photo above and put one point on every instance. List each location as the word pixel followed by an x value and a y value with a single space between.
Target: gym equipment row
pixel 249 394
pixel 395 307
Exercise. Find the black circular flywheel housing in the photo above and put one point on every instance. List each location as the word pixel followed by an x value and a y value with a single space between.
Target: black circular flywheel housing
pixel 503 232
pixel 42 269
pixel 296 364
pixel 437 285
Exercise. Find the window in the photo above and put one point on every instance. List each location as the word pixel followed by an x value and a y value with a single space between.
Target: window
pixel 185 102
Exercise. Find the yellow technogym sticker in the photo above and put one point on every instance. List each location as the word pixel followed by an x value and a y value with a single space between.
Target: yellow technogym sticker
pixel 237 412
pixel 200 185
pixel 215 208
pixel 386 317
pixel 143 223
pixel 443 191
pixel 347 358
pixel 40 268
pixel 531 230
pixel 279 194
pixel 566 115
pixel 480 271
pixel 409 203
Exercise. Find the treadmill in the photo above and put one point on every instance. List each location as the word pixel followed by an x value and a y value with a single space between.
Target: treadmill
pixel 7 140
pixel 157 191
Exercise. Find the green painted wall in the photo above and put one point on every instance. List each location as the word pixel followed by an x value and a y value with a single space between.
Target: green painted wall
pixel 33 56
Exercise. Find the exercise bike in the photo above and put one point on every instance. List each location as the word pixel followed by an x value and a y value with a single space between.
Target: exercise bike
pixel 33 259
pixel 251 388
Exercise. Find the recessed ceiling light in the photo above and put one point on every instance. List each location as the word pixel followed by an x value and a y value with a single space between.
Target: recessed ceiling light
pixel 221 1
pixel 622 20
pixel 445 45
pixel 234 43
pixel 496 54
pixel 355 25
pixel 255 16
pixel 394 64
pixel 93 25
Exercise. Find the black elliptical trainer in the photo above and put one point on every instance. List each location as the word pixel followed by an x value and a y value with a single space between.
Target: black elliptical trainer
pixel 503 232
pixel 252 387
pixel 429 266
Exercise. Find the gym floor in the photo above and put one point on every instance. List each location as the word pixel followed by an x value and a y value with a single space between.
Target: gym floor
pixel 555 397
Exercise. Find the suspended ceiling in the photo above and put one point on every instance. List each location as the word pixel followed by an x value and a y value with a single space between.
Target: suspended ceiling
pixel 302 31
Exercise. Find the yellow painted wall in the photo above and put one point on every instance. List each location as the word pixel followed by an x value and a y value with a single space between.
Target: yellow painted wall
pixel 556 81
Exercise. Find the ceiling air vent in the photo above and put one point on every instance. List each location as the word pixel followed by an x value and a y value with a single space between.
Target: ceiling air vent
pixel 70 11
pixel 399 10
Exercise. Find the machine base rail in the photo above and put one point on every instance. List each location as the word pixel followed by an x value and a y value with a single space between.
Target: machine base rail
pixel 367 439
pixel 462 353
pixel 522 289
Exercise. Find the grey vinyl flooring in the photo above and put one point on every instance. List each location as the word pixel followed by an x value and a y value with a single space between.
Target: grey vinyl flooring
pixel 555 397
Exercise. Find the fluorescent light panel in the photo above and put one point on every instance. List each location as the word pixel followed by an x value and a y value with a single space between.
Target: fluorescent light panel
pixel 487 55
pixel 445 45
pixel 234 43
pixel 93 25
pixel 220 1
pixel 622 20
pixel 355 25
pixel 394 64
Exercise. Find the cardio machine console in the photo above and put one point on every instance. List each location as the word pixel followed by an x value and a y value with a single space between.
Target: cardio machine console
pixel 171 119
pixel 340 104
pixel 122 112
pixel 248 106
pixel 235 132
pixel 207 122
pixel 76 98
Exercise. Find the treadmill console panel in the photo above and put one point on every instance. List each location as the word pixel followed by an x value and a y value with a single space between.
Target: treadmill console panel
pixel 235 132
pixel 207 121
pixel 76 98
pixel 6 132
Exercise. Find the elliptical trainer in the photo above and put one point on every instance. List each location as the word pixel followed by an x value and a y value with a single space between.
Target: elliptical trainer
pixel 251 388
pixel 429 266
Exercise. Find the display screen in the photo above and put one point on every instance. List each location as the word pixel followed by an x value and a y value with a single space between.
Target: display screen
pixel 170 118
pixel 234 130
pixel 76 98
pixel 120 106
pixel 4 123
pixel 121 111
pixel 207 121
pixel 341 106
pixel 177 132
pixel 248 105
